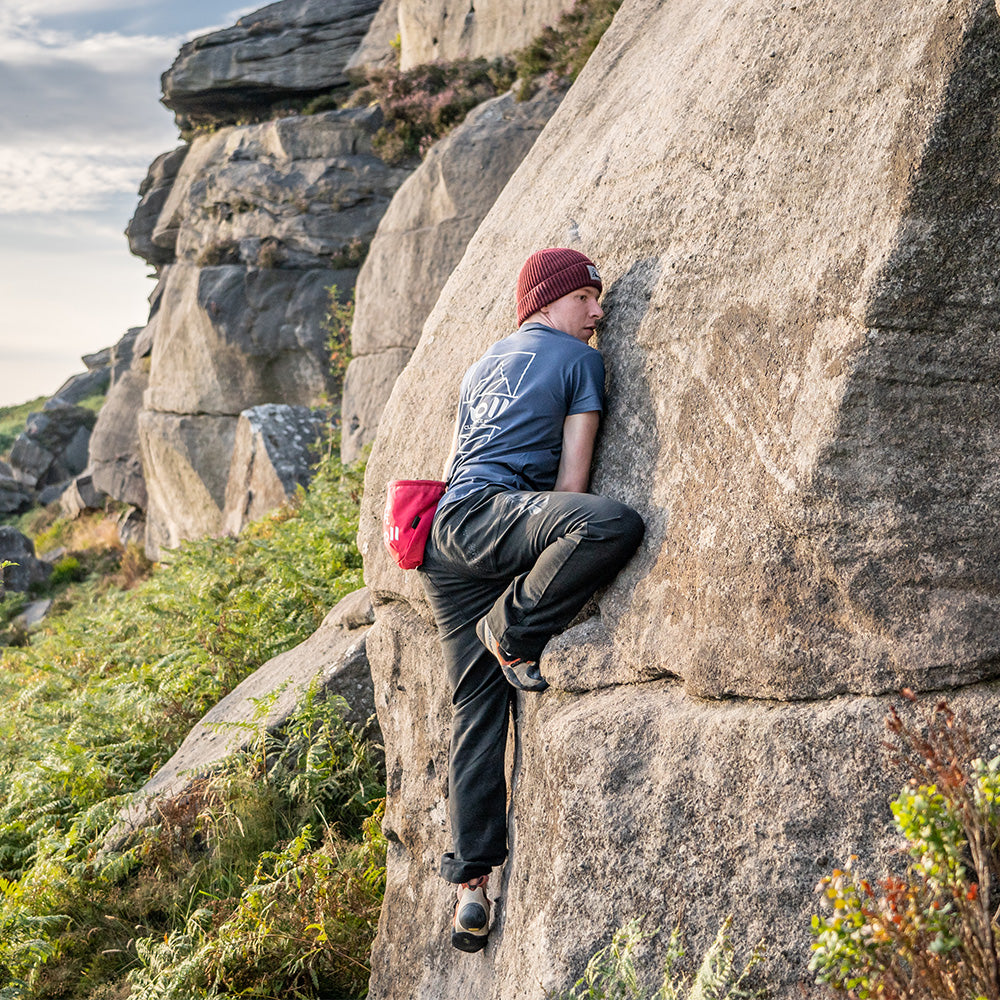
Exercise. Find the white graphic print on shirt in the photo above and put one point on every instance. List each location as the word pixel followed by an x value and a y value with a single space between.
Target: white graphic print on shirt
pixel 493 387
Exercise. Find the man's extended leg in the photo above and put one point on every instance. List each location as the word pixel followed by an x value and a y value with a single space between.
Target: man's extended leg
pixel 481 699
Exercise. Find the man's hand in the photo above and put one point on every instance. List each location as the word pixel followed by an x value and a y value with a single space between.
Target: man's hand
pixel 579 432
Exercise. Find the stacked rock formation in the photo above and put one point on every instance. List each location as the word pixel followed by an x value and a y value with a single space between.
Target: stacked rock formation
pixel 793 211
pixel 284 52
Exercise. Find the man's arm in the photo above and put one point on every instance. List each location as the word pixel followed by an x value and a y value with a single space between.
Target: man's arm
pixel 579 432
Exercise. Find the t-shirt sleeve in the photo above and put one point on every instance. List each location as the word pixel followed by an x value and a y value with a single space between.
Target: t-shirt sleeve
pixel 587 384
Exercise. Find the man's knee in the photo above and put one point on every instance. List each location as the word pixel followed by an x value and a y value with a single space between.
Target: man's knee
pixel 618 524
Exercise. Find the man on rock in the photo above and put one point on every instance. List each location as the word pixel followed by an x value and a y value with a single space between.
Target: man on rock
pixel 517 545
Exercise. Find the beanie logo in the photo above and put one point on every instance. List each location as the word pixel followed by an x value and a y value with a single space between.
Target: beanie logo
pixel 592 272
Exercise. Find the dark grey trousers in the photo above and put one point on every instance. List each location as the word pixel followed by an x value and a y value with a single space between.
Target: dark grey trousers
pixel 527 562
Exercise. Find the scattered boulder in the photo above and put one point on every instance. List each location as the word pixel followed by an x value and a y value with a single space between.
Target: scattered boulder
pixel 34 613
pixel 333 660
pixel 28 571
pixel 77 388
pixel 273 455
pixel 53 447
pixel 287 51
pixel 153 194
pixel 186 460
pixel 132 527
pixel 79 495
pixel 420 239
pixel 797 242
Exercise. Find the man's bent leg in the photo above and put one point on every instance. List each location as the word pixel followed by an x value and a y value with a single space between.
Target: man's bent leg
pixel 563 547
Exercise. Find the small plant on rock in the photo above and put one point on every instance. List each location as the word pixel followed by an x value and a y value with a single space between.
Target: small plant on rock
pixel 611 973
pixel 930 933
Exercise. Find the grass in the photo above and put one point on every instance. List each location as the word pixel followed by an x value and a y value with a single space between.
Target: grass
pixel 264 880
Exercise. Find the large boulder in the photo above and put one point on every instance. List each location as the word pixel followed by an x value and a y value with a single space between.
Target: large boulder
pixel 275 451
pixel 420 239
pixel 285 51
pixel 430 30
pixel 794 218
pixel 332 661
pixel 185 459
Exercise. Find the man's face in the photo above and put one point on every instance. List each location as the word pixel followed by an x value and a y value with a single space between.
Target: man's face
pixel 576 313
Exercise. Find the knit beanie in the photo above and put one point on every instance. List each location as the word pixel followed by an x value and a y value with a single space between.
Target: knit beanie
pixel 548 275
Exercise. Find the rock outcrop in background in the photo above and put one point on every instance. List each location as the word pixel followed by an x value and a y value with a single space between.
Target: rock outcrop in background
pixel 793 212
pixel 248 226
pixel 418 243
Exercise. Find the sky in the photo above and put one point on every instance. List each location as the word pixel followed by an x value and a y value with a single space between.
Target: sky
pixel 80 122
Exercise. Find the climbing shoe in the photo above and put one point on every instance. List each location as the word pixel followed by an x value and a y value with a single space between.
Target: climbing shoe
pixel 523 674
pixel 471 925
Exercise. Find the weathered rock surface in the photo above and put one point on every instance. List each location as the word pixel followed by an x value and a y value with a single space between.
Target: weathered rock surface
pixel 291 193
pixel 793 213
pixel 420 239
pixel 27 570
pixel 115 462
pixel 443 29
pixel 288 50
pixel 53 447
pixel 332 660
pixel 263 219
pixel 81 494
pixel 379 48
pixel 233 337
pixel 153 194
pixel 273 455
pixel 185 459
pixel 14 495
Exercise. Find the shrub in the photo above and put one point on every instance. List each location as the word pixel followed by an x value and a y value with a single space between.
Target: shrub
pixel 103 695
pixel 563 50
pixel 611 973
pixel 932 931
pixel 423 104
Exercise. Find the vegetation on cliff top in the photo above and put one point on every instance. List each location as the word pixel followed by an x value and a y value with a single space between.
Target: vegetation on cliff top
pixel 264 880
pixel 423 104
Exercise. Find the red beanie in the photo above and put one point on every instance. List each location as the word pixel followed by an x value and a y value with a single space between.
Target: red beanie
pixel 548 275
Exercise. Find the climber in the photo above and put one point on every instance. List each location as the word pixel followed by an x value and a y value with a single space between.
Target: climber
pixel 517 546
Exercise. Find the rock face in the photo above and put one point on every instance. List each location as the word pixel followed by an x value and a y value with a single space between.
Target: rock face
pixel 273 455
pixel 332 659
pixel 793 214
pixel 288 50
pixel 262 220
pixel 420 239
pixel 153 194
pixel 442 29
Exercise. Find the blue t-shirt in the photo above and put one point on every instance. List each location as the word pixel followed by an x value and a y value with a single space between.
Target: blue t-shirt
pixel 511 409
